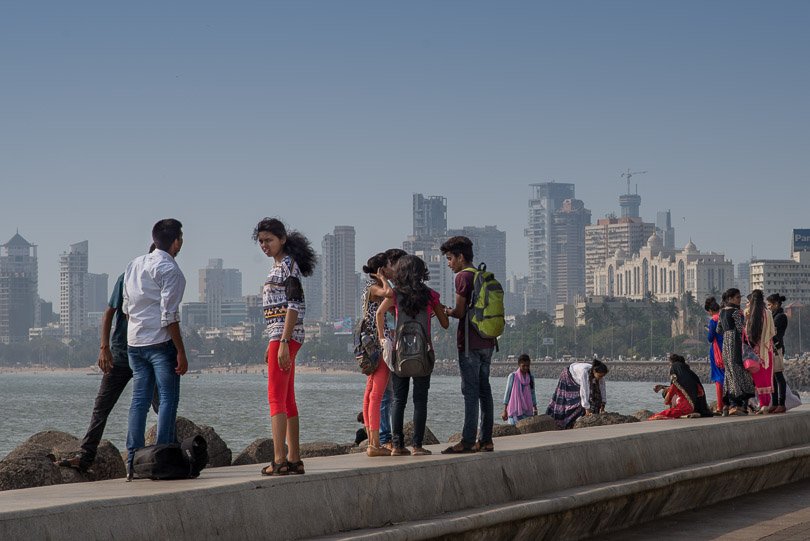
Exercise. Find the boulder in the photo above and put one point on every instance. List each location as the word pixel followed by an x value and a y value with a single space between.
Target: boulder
pixel 52 439
pixel 258 452
pixel 108 464
pixel 407 432
pixel 218 452
pixel 29 465
pixel 643 415
pixel 603 419
pixel 324 448
pixel 454 438
pixel 499 430
pixel 537 423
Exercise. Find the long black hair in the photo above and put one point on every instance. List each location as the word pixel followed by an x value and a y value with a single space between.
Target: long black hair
pixel 375 263
pixel 598 367
pixel 711 305
pixel 729 294
pixel 524 358
pixel 756 315
pixel 296 245
pixel 410 275
pixel 776 298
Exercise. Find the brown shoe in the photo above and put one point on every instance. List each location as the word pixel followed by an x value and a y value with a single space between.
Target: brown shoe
pixel 779 409
pixel 400 451
pixel 420 451
pixel 372 450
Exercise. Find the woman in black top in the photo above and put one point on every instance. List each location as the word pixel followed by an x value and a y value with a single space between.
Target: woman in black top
pixel 780 321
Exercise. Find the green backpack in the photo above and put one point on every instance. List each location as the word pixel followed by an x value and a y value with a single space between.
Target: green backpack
pixel 485 308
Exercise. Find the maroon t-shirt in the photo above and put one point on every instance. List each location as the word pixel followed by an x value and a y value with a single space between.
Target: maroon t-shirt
pixel 464 287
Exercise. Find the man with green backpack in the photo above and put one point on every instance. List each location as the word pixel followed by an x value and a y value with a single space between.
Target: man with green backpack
pixel 479 309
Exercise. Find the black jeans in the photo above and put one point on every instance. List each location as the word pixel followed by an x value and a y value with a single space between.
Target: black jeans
pixel 112 385
pixel 420 399
pixel 779 389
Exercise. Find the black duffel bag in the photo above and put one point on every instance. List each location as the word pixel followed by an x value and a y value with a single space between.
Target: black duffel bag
pixel 171 460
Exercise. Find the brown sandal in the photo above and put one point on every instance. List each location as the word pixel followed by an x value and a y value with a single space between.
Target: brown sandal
pixel 296 468
pixel 281 468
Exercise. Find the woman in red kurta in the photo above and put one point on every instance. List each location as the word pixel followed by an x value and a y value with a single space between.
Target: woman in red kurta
pixel 685 394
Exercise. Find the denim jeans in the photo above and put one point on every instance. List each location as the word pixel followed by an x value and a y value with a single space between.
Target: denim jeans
pixel 385 414
pixel 420 398
pixel 153 365
pixel 474 366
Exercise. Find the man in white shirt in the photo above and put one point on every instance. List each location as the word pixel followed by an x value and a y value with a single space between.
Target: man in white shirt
pixel 153 291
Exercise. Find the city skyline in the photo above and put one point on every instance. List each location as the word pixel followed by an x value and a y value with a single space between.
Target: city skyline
pixel 360 258
pixel 117 116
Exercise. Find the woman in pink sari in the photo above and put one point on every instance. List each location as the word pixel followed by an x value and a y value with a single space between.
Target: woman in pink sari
pixel 520 400
pixel 759 333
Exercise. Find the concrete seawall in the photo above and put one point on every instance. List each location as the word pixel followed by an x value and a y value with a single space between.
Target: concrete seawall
pixel 561 485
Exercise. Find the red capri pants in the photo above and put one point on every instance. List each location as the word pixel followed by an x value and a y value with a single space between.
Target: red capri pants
pixel 280 384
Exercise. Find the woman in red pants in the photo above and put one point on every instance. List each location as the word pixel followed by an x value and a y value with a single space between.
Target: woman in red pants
pixel 284 307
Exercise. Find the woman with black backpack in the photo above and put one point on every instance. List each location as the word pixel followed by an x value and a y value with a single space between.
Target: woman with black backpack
pixel 411 354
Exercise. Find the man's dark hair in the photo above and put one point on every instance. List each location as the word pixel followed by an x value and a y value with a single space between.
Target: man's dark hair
pixel 165 232
pixel 393 255
pixel 459 246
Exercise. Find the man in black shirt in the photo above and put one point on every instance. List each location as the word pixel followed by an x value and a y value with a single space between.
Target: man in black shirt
pixel 114 362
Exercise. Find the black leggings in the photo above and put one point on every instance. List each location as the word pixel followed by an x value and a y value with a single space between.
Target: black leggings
pixel 779 389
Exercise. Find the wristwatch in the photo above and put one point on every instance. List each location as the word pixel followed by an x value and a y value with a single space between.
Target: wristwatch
pixel 285 340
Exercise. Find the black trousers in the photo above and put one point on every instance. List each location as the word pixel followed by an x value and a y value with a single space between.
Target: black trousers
pixel 112 385
pixel 420 399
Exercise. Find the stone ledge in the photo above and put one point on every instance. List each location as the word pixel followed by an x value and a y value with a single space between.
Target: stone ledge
pixel 346 493
pixel 569 514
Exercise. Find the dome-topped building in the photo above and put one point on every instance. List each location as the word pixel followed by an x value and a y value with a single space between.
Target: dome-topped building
pixel 663 274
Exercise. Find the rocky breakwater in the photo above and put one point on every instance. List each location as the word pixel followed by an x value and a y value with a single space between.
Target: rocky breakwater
pixel 33 463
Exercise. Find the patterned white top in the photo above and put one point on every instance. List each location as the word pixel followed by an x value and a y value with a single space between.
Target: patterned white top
pixel 282 291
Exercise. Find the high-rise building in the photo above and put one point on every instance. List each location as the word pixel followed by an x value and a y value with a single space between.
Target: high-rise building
pixel 97 292
pixel 429 215
pixel 567 276
pixel 546 199
pixel 340 296
pixel 489 246
pixel 742 279
pixel 73 289
pixel 219 287
pixel 606 237
pixel 663 225
pixel 313 292
pixel 18 289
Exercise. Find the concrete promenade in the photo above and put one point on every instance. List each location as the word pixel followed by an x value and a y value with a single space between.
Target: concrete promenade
pixel 549 485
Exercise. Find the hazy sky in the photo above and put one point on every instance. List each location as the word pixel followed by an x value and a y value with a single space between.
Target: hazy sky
pixel 114 115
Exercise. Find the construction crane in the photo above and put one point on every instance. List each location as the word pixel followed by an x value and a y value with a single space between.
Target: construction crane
pixel 628 175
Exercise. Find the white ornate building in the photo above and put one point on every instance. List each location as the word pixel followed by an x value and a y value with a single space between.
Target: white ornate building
pixel 664 274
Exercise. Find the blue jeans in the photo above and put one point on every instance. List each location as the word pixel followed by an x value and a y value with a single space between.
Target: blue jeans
pixel 474 366
pixel 153 365
pixel 385 414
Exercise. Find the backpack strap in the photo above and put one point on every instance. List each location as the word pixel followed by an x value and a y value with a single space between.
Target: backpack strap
pixel 467 310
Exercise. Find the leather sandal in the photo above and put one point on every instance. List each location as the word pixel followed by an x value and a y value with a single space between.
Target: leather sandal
pixel 281 468
pixel 296 468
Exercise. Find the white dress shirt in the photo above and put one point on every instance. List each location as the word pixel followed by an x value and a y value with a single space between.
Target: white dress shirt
pixel 153 290
pixel 579 371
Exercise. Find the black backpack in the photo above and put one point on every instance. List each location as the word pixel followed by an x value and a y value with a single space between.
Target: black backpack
pixel 366 347
pixel 171 460
pixel 413 350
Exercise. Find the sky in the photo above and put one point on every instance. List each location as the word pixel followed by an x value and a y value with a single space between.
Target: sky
pixel 114 115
